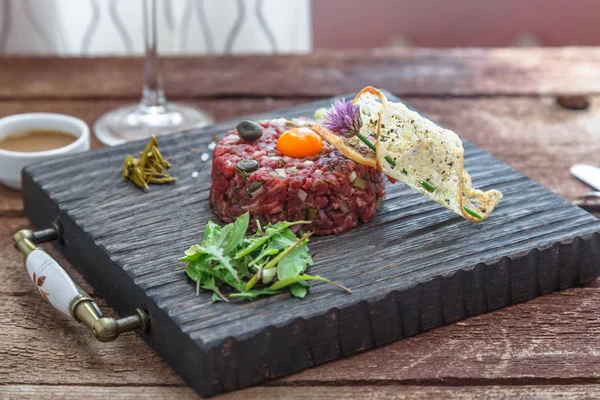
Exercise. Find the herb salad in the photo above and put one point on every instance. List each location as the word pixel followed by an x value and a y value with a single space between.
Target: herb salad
pixel 235 266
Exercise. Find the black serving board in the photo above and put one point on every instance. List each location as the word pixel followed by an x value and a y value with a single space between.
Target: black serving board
pixel 414 267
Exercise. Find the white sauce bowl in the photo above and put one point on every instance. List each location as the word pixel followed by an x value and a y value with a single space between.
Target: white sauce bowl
pixel 12 162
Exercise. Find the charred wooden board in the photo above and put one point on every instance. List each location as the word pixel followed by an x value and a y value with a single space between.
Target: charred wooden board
pixel 414 267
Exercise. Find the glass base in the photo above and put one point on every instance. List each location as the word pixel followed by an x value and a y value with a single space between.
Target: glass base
pixel 138 122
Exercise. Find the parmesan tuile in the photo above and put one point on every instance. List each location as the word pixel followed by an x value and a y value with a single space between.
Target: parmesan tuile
pixel 414 150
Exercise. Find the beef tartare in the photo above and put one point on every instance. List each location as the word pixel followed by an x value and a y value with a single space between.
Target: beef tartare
pixel 328 189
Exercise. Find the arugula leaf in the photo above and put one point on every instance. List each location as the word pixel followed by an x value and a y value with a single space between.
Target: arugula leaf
pixel 216 254
pixel 298 290
pixel 275 261
pixel 192 254
pixel 272 259
pixel 294 263
pixel 193 272
pixel 226 278
pixel 196 275
pixel 278 242
pixel 237 233
pixel 266 251
pixel 270 231
pixel 241 267
pixel 209 284
pixel 227 237
pixel 284 238
pixel 252 294
pixel 287 282
pixel 211 233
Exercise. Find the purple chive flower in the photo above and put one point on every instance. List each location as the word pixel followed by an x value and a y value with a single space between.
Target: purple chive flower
pixel 344 118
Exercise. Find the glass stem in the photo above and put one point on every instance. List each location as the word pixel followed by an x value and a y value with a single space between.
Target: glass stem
pixel 153 96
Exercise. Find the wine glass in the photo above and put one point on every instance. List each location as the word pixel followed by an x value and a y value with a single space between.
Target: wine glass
pixel 153 114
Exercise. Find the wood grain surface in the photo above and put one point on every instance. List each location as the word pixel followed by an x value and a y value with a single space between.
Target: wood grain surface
pixel 544 348
pixel 464 72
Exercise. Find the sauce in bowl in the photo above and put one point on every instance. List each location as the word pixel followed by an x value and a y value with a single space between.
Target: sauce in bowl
pixel 29 141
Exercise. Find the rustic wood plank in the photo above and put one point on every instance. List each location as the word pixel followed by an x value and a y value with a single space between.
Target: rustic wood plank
pixel 11 205
pixel 430 72
pixel 552 338
pixel 530 392
pixel 555 336
pixel 41 346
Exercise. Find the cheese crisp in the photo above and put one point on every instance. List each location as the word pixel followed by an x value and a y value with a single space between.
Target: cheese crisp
pixel 415 151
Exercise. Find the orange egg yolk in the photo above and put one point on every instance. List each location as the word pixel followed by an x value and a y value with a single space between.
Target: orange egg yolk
pixel 299 142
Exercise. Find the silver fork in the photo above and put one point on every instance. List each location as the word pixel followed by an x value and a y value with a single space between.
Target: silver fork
pixel 590 175
pixel 589 201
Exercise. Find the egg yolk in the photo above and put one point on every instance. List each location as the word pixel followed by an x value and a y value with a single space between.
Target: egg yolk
pixel 299 142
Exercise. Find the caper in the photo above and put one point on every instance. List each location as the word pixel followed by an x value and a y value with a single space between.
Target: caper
pixel 311 213
pixel 254 186
pixel 249 130
pixel 246 166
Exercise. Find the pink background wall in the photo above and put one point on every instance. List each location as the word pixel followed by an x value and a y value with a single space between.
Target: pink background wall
pixel 452 23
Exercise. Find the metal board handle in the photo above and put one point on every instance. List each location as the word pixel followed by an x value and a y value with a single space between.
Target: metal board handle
pixel 58 289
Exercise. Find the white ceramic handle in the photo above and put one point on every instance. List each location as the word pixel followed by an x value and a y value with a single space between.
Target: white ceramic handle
pixel 53 283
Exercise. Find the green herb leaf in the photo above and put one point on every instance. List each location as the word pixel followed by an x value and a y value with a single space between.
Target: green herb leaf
pixel 194 270
pixel 241 266
pixel 217 255
pixel 305 277
pixel 270 231
pixel 298 290
pixel 193 254
pixel 237 233
pixel 273 256
pixel 252 294
pixel 273 263
pixel 210 284
pixel 278 242
pixel 294 263
pixel 210 230
pixel 283 239
pixel 269 250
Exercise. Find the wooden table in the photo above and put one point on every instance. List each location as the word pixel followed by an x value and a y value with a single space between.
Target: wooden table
pixel 502 100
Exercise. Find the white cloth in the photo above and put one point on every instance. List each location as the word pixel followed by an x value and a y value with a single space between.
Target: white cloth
pixel 114 27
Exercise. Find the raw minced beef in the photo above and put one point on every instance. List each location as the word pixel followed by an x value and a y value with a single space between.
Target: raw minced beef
pixel 328 189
